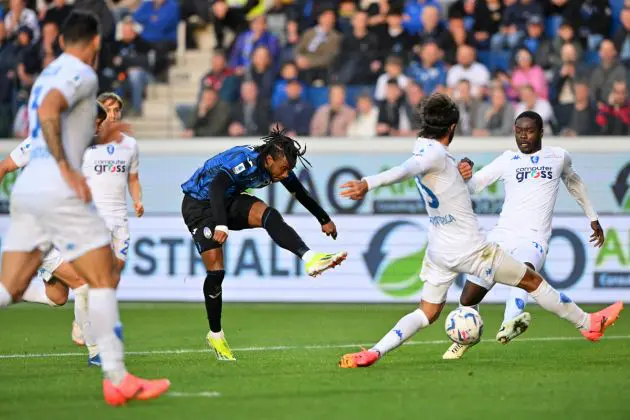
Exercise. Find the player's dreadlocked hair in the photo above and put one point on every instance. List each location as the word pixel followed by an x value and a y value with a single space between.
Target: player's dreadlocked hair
pixel 277 144
pixel 438 113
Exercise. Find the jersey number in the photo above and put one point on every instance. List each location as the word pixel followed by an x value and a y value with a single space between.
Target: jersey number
pixel 34 107
pixel 433 201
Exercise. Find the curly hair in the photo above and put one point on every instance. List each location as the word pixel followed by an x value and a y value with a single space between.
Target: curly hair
pixel 438 113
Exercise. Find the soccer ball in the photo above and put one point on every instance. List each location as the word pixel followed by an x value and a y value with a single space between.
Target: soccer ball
pixel 464 325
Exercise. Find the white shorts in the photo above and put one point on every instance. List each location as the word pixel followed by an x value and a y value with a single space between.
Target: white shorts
pixel 490 263
pixel 119 228
pixel 522 249
pixel 51 261
pixel 43 221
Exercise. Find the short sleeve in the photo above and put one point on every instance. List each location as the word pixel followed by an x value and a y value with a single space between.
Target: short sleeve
pixel 237 166
pixel 21 155
pixel 77 85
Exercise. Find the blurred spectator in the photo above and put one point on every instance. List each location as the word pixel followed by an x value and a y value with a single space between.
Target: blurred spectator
pixel 225 17
pixel 345 12
pixel 334 118
pixel 318 48
pixel 28 62
pixel 249 41
pixel 251 115
pixel 527 72
pixel 429 72
pixel 608 71
pixel 487 18
pixel 431 26
pixel 513 24
pixel 58 12
pixel 622 37
pixel 470 109
pixel 288 72
pixel 467 68
pixel 413 101
pixel 7 80
pixel 378 11
pixel 464 9
pixel 455 37
pixel 564 84
pixel 159 20
pixel 564 36
pixel 122 8
pixel 261 71
pixel 393 70
pixel 279 15
pixel 580 120
pixel 392 118
pixel 531 102
pixel 535 42
pixel 594 19
pixel 413 14
pixel 357 62
pixel 613 117
pixel 364 124
pixel 497 117
pixel 296 113
pixel 212 117
pixel 18 17
pixel 397 40
pixel 48 46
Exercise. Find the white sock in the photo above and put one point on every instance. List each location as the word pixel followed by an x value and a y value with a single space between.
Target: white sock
pixel 406 327
pixel 105 323
pixel 5 297
pixel 218 335
pixel 308 255
pixel 515 305
pixel 561 305
pixel 36 293
pixel 82 318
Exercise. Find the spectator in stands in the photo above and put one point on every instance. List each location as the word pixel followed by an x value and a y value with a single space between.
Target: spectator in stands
pixel 594 19
pixel 345 12
pixel 29 63
pixel 225 17
pixel 220 78
pixel 135 57
pixel 470 109
pixel 487 18
pixel 288 72
pixel 413 101
pixel 392 118
pixel 334 118
pixel 497 117
pixel 613 117
pixel 429 72
pixel 622 37
pixel 397 41
pixel 279 15
pixel 58 12
pixel 513 24
pixel 535 42
pixel 357 62
pixel 527 72
pixel 296 113
pixel 413 14
pixel 122 8
pixel 318 48
pixel 248 42
pixel 261 71
pixel 531 102
pixel 467 68
pixel 431 25
pixel 393 70
pixel 464 9
pixel 7 79
pixel 251 115
pixel 564 36
pixel 48 46
pixel 364 124
pixel 580 120
pixel 609 71
pixel 455 37
pixel 159 20
pixel 378 11
pixel 19 16
pixel 564 84
pixel 212 117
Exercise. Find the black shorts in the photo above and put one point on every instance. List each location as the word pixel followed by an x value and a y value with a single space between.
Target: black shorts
pixel 198 217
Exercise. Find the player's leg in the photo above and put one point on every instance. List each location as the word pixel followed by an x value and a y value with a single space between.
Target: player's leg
pixel 437 283
pixel 268 218
pixel 49 292
pixel 120 245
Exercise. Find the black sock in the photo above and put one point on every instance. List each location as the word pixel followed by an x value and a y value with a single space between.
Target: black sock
pixel 213 296
pixel 281 233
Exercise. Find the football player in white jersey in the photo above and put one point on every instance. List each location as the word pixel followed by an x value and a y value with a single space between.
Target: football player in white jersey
pixel 51 202
pixel 524 227
pixel 456 244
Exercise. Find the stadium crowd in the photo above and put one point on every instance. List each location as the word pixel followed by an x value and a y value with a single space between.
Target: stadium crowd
pixel 349 67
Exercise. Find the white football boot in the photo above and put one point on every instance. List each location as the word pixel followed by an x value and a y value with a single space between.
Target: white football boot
pixel 513 328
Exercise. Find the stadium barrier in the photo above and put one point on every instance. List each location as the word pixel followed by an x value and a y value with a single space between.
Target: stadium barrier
pixel 384 262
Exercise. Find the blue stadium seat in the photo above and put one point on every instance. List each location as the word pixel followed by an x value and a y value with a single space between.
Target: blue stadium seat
pixel 591 58
pixel 484 57
pixel 317 96
pixel 551 26
pixel 616 6
pixel 500 60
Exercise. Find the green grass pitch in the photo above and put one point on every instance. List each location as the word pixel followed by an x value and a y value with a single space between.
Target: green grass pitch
pixel 287 367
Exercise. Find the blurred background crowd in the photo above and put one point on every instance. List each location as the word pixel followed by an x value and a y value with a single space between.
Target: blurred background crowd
pixel 345 67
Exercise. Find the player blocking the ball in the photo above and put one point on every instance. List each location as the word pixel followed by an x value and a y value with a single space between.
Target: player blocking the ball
pixel 456 244
pixel 215 202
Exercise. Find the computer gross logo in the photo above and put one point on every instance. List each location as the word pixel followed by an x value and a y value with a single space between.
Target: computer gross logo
pixel 396 269
pixel 536 172
pixel 110 166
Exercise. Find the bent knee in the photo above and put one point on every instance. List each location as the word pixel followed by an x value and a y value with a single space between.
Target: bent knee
pixel 530 281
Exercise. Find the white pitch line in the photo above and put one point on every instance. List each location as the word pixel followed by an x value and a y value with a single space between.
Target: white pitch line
pixel 205 394
pixel 283 348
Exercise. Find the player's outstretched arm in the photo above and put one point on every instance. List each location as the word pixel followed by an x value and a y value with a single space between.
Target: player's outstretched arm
pixel 295 187
pixel 7 166
pixel 487 175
